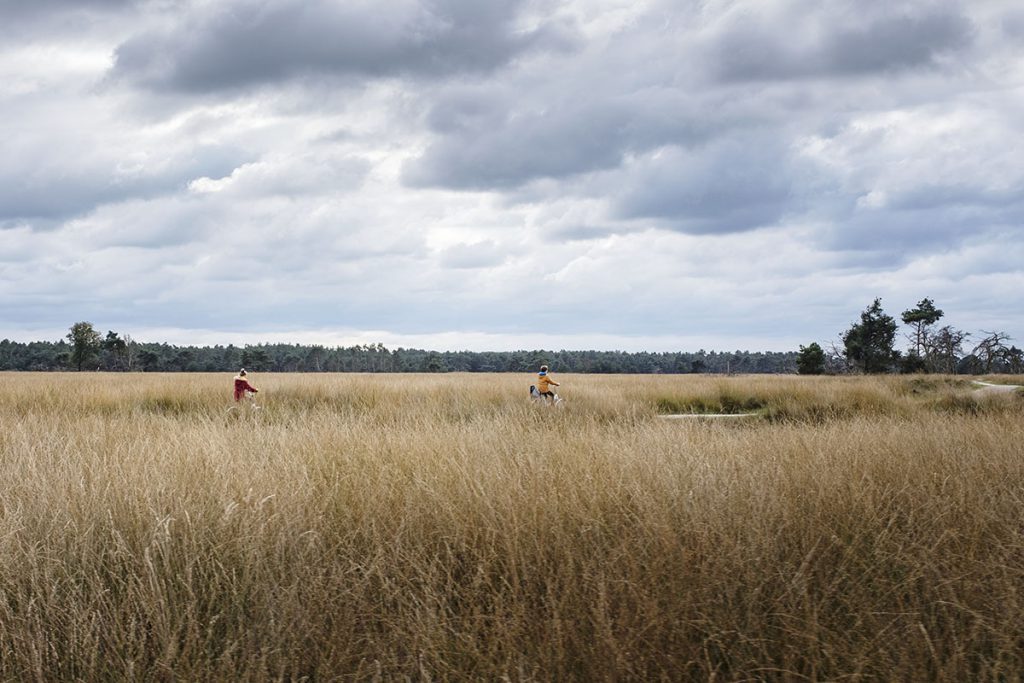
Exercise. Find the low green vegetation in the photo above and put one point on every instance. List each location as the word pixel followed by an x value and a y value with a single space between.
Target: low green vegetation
pixel 815 401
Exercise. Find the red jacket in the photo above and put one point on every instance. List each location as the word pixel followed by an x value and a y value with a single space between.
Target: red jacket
pixel 241 386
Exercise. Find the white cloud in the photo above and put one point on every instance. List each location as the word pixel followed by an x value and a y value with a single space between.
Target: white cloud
pixel 603 174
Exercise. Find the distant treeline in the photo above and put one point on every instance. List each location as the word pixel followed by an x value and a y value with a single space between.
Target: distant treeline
pixel 868 347
pixel 115 353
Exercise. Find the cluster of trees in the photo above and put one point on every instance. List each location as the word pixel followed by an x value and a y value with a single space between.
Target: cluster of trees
pixel 868 346
pixel 86 349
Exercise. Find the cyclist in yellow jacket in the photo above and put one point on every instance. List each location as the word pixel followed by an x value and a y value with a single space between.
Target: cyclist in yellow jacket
pixel 544 383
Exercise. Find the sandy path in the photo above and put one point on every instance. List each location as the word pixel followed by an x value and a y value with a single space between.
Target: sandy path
pixel 989 388
pixel 699 416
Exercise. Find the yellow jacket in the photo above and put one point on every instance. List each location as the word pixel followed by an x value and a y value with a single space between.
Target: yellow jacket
pixel 544 383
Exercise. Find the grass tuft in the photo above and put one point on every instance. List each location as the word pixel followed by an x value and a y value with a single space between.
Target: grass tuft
pixel 444 527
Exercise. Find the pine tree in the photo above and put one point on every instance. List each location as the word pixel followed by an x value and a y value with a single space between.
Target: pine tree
pixel 869 343
pixel 810 360
pixel 921 318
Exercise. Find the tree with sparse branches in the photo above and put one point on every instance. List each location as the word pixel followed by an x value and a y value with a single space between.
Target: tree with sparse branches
pixel 920 319
pixel 991 349
pixel 129 351
pixel 943 349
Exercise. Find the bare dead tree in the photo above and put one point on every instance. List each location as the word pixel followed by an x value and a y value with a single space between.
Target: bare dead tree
pixel 943 348
pixel 836 362
pixel 991 349
pixel 130 351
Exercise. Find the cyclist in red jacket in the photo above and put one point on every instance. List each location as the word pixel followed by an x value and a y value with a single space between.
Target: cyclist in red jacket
pixel 242 386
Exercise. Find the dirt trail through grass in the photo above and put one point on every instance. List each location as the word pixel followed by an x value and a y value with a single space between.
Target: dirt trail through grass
pixel 704 416
pixel 989 388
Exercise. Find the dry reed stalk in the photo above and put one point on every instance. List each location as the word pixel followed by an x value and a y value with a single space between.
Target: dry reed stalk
pixel 443 526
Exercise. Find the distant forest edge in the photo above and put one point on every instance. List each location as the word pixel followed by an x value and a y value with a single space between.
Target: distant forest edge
pixel 867 346
pixel 149 357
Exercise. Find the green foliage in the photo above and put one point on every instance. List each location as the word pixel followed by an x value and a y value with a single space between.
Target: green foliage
pixel 868 347
pixel 434 362
pixel 255 358
pixel 152 357
pixel 113 342
pixel 727 400
pixel 869 343
pixel 930 385
pixel 810 360
pixel 806 401
pixel 921 318
pixel 85 343
pixel 912 363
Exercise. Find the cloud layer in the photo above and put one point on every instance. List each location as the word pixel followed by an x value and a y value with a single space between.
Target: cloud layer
pixel 642 175
pixel 247 43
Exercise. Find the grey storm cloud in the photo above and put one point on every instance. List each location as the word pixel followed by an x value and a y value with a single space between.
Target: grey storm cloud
pixel 926 219
pixel 62 188
pixel 251 42
pixel 686 85
pixel 500 149
pixel 36 8
pixel 27 19
pixel 430 166
pixel 731 185
pixel 898 236
pixel 503 138
pixel 1012 24
pixel 959 195
pixel 805 41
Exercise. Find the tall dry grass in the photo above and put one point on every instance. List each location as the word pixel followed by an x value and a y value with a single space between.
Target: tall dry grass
pixel 442 527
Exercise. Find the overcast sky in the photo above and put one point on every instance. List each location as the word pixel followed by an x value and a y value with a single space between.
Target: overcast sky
pixel 476 174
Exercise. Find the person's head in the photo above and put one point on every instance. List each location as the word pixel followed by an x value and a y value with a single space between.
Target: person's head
pixel 241 372
pixel 543 368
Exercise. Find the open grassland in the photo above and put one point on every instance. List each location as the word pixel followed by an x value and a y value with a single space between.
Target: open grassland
pixel 444 528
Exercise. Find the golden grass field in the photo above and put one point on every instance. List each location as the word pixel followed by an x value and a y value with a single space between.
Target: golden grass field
pixel 441 527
